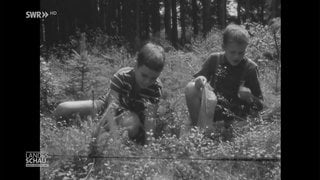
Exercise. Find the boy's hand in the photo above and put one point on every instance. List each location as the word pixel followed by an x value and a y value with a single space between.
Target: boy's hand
pixel 200 81
pixel 244 93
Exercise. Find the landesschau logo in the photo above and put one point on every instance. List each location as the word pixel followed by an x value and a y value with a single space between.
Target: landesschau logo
pixel 39 14
pixel 36 159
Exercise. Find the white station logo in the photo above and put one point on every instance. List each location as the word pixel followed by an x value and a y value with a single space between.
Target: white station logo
pixel 37 14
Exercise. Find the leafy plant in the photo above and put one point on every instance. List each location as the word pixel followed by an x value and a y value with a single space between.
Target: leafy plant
pixel 173 153
pixel 47 87
pixel 264 47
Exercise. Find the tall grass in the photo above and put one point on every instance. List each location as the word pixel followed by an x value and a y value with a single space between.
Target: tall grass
pixel 259 137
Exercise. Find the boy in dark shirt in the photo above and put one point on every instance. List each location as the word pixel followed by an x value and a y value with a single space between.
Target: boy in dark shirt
pixel 233 77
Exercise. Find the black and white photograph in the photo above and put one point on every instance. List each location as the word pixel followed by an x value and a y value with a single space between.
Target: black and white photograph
pixel 159 89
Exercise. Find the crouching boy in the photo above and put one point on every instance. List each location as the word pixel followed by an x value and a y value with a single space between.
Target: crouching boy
pixel 131 89
pixel 233 77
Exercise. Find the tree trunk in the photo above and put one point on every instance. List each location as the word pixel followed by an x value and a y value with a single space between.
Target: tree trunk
pixel 182 20
pixel 155 18
pixel 125 18
pixel 51 33
pixel 43 32
pixel 83 54
pixel 275 10
pixel 102 14
pixel 247 12
pixel 167 18
pixel 137 20
pixel 107 19
pixel 195 17
pixel 111 15
pixel 94 17
pixel 206 16
pixel 146 19
pixel 118 18
pixel 262 13
pixel 121 18
pixel 238 12
pixel 223 13
pixel 128 15
pixel 174 23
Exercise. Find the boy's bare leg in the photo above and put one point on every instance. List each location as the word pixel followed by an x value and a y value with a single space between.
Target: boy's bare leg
pixel 83 108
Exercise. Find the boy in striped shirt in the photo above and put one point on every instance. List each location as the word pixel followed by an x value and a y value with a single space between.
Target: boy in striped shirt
pixel 131 90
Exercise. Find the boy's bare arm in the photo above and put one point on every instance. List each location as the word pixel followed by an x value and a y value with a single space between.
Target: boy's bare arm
pixel 253 83
pixel 107 122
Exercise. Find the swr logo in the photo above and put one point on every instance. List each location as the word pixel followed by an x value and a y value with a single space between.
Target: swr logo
pixel 36 14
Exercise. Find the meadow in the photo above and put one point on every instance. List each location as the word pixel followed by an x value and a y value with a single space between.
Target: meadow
pixel 71 73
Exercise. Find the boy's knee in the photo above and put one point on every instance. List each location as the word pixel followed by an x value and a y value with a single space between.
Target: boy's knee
pixel 61 109
pixel 131 122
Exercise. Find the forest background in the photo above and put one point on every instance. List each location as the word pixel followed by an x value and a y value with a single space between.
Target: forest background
pixel 89 40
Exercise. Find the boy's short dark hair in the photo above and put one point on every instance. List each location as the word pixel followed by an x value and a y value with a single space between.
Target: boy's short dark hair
pixel 152 56
pixel 235 33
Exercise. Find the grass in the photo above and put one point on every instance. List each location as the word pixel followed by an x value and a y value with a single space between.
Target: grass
pixel 259 137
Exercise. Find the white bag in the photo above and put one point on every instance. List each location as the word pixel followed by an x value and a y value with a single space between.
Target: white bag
pixel 207 108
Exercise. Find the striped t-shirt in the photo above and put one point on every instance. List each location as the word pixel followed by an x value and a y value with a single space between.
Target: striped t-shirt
pixel 123 82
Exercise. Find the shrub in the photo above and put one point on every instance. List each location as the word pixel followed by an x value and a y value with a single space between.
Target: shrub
pixel 47 87
pixel 170 155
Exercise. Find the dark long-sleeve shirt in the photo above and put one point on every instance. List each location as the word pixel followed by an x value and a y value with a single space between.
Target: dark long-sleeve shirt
pixel 226 79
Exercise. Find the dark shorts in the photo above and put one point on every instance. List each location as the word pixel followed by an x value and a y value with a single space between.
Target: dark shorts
pixel 228 112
